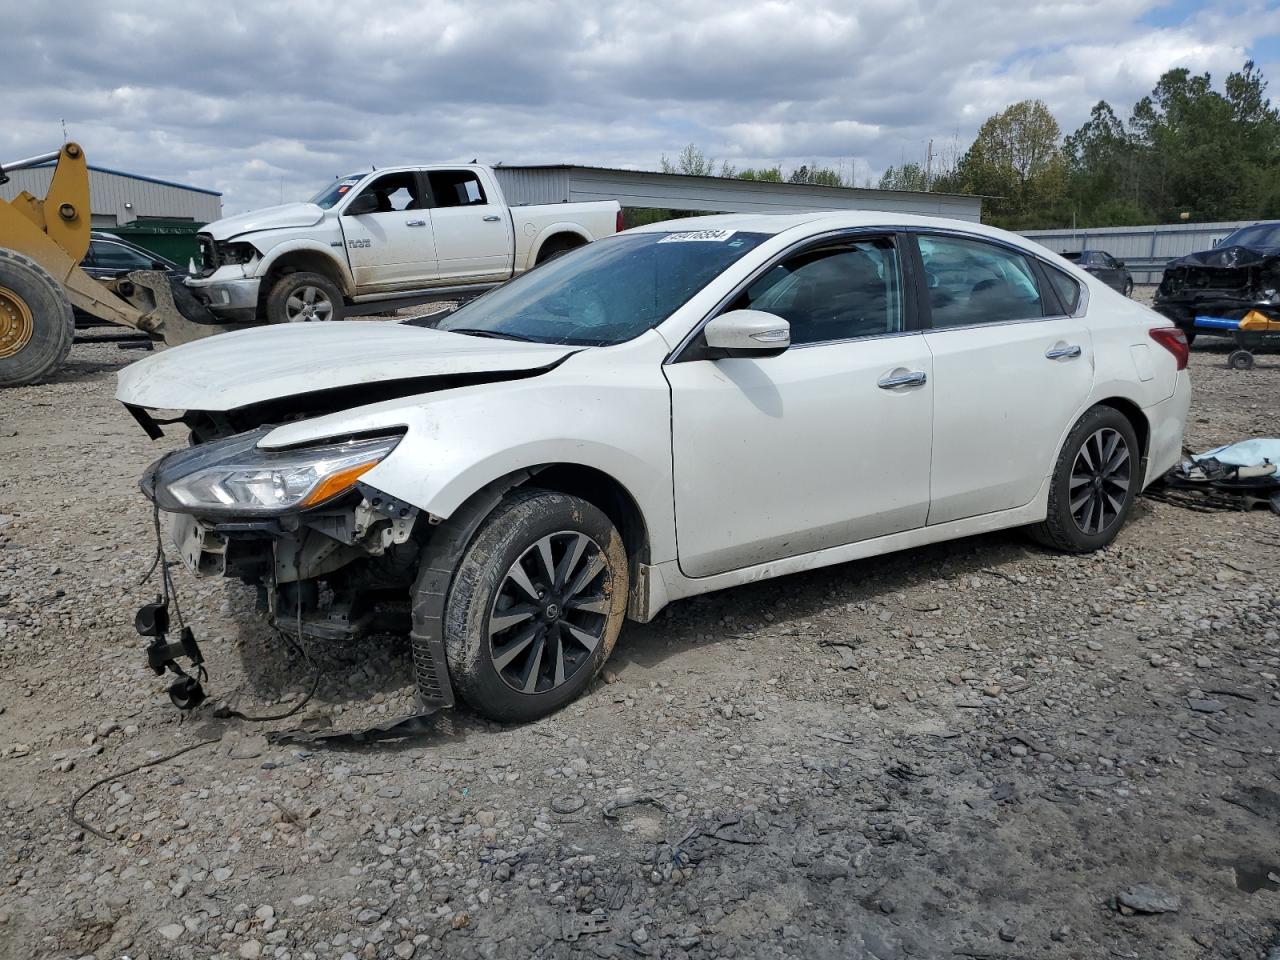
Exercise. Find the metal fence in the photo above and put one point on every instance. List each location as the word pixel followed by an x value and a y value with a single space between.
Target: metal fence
pixel 1145 250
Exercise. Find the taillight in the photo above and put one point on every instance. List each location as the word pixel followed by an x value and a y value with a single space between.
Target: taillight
pixel 618 228
pixel 1173 340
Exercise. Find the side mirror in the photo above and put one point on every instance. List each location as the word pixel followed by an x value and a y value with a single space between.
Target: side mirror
pixel 746 333
pixel 1119 263
pixel 365 203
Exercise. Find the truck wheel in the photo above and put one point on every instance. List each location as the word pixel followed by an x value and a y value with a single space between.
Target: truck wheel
pixel 36 323
pixel 535 605
pixel 555 247
pixel 303 298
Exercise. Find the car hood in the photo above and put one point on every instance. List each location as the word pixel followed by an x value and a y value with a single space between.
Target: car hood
pixel 268 218
pixel 234 370
pixel 1227 257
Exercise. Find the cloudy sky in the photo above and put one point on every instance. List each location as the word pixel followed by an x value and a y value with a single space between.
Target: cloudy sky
pixel 269 99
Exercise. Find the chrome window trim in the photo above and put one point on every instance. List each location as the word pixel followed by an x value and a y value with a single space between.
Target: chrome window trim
pixel 888 232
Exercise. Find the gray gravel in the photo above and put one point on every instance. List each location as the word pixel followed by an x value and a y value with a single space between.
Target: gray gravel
pixel 978 749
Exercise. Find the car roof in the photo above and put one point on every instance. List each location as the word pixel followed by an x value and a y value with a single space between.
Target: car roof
pixel 817 221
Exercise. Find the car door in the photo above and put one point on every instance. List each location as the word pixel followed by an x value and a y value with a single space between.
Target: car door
pixel 822 445
pixel 1010 374
pixel 473 233
pixel 107 260
pixel 391 246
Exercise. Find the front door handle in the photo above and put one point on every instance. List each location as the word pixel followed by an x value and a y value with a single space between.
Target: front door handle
pixel 415 223
pixel 1066 351
pixel 492 218
pixel 913 378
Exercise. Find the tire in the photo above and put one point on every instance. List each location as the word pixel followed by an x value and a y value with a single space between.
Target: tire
pixel 1128 288
pixel 507 669
pixel 37 325
pixel 1240 360
pixel 1095 521
pixel 297 298
pixel 555 247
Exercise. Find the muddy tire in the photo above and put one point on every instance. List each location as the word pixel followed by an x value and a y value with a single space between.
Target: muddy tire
pixel 556 247
pixel 535 605
pixel 303 298
pixel 1094 483
pixel 36 324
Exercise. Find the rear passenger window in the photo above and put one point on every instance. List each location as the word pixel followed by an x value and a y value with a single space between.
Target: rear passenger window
pixel 832 293
pixel 1065 287
pixel 456 188
pixel 972 282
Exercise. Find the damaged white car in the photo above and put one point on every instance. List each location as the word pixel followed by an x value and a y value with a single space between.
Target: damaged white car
pixel 680 408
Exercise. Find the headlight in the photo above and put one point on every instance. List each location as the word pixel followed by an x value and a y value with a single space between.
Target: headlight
pixel 233 476
pixel 233 253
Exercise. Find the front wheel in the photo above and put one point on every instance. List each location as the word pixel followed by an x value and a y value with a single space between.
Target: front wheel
pixel 1094 483
pixel 1128 288
pixel 36 323
pixel 304 298
pixel 535 606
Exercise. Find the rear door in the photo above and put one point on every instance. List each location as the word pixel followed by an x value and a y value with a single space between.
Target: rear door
pixel 472 229
pixel 392 247
pixel 823 445
pixel 1010 373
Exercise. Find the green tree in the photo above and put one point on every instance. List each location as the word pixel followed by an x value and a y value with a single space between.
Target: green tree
pixel 1016 161
pixel 691 162
pixel 770 174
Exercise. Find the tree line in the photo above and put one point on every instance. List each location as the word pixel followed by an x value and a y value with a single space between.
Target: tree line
pixel 1187 151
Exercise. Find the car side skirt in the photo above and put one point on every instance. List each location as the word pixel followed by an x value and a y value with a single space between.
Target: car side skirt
pixel 660 584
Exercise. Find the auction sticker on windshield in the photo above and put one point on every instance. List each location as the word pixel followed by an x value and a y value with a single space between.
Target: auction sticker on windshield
pixel 696 236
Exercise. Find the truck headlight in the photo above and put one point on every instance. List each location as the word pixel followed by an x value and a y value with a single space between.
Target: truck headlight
pixel 235 477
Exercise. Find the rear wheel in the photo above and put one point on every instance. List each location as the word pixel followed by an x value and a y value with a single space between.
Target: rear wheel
pixel 1128 288
pixel 555 247
pixel 36 323
pixel 304 298
pixel 1094 483
pixel 535 606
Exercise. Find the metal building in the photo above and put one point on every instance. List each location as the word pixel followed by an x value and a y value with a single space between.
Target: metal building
pixel 562 183
pixel 118 199
pixel 1145 250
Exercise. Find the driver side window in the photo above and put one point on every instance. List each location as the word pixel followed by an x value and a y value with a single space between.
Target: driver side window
pixel 395 192
pixel 832 293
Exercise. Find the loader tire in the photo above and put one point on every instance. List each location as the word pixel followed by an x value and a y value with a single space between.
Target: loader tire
pixel 36 323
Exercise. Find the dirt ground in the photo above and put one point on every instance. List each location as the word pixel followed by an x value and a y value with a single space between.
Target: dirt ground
pixel 975 750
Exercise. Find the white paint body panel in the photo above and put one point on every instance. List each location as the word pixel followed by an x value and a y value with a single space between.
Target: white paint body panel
pixel 742 469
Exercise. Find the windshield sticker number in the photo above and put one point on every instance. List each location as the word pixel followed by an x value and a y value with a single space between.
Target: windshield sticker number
pixel 698 236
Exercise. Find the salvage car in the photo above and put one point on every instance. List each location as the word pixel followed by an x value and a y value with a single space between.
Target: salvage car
pixel 1231 290
pixel 439 231
pixel 1105 267
pixel 684 407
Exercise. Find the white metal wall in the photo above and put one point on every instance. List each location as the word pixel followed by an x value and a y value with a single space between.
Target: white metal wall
pixel 110 192
pixel 1145 250
pixel 717 194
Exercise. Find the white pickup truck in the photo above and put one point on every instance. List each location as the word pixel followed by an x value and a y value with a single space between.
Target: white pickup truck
pixel 435 231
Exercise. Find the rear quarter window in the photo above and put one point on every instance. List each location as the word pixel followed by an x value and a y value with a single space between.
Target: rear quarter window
pixel 1066 288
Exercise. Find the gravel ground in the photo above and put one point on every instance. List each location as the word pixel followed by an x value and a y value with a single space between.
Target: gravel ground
pixel 976 750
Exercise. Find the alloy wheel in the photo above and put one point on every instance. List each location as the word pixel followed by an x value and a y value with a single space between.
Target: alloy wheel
pixel 1100 478
pixel 307 304
pixel 550 612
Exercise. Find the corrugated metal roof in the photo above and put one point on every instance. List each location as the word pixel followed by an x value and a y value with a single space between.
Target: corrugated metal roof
pixel 138 176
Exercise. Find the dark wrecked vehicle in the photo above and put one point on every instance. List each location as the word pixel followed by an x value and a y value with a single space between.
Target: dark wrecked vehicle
pixel 1232 290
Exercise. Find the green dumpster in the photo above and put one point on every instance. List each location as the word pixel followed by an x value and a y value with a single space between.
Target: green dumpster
pixel 173 239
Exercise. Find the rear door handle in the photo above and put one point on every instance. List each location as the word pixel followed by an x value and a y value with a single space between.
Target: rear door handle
pixel 1064 352
pixel 914 378
pixel 492 218
pixel 415 223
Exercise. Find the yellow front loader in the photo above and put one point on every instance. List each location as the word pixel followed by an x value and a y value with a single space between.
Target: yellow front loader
pixel 41 245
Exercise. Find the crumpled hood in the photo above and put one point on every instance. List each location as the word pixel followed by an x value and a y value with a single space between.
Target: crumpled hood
pixel 1226 257
pixel 268 218
pixel 234 370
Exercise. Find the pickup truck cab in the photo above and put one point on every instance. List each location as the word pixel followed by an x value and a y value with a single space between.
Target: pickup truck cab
pixel 440 231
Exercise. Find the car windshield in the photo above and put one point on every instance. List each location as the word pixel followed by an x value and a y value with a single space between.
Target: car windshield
pixel 1073 256
pixel 331 194
pixel 1258 235
pixel 606 292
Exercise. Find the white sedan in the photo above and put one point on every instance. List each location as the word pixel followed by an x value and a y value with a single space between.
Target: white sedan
pixel 680 408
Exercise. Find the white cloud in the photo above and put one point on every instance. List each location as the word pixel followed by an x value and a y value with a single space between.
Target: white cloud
pixel 256 99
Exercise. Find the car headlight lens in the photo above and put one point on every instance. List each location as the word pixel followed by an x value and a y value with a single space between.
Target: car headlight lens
pixel 235 477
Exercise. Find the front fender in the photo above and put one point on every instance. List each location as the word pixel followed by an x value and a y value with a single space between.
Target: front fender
pixel 335 256
pixel 614 418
